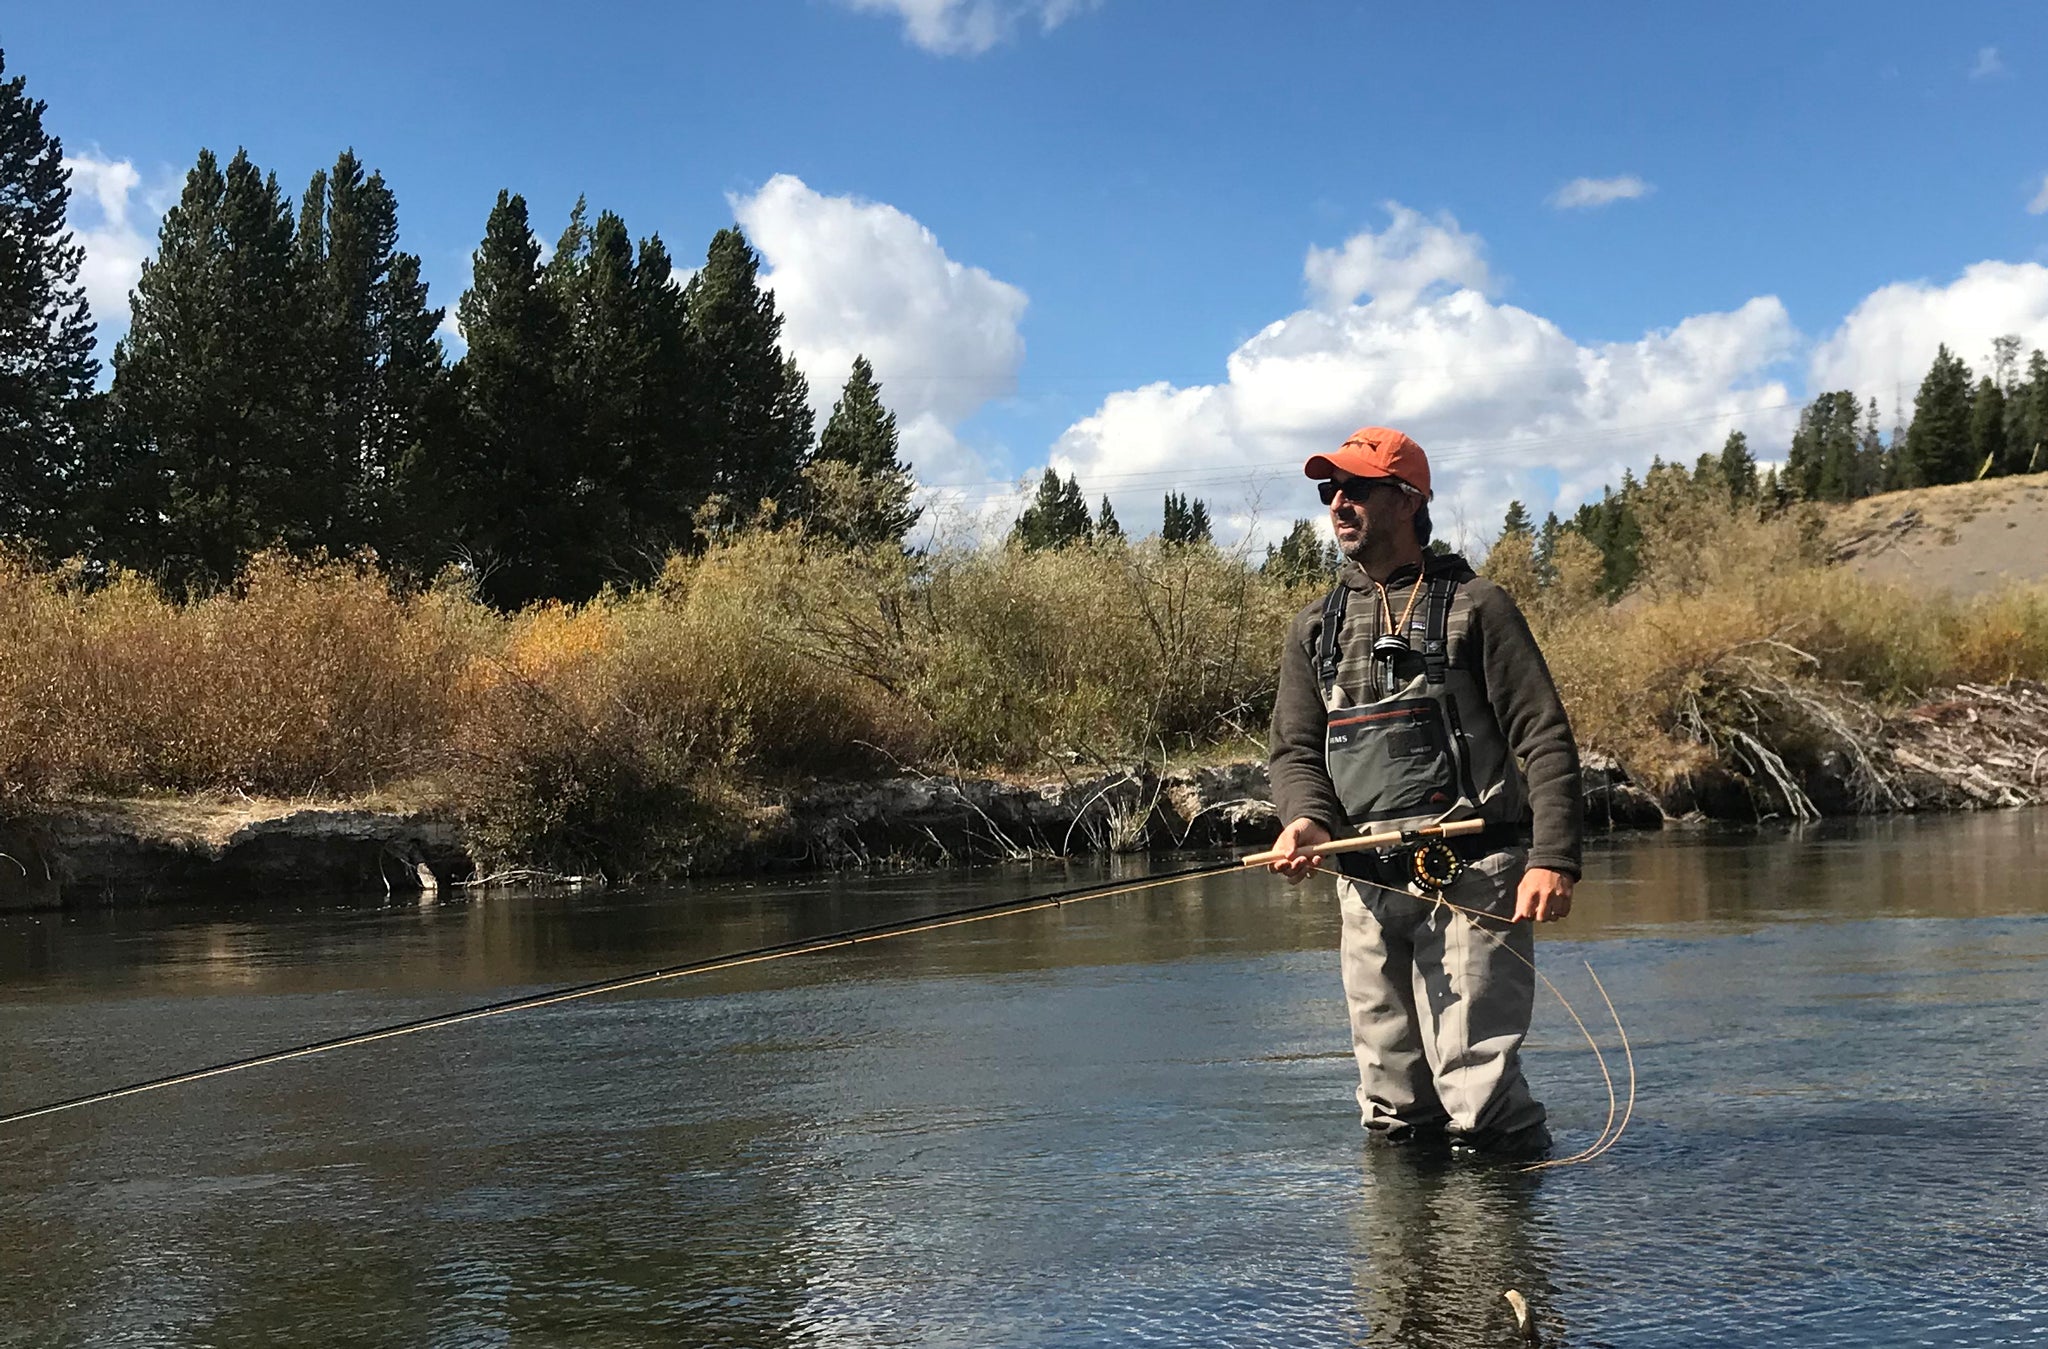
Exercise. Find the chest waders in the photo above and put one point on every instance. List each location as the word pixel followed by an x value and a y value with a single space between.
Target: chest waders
pixel 1397 750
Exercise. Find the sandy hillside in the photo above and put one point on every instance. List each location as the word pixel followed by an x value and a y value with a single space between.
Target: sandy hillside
pixel 1967 538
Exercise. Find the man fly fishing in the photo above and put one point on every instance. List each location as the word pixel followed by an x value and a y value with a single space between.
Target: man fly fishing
pixel 1415 695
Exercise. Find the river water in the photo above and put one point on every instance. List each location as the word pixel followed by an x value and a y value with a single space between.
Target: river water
pixel 1127 1121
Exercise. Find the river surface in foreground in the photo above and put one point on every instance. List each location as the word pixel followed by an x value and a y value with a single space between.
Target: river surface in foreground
pixel 1122 1122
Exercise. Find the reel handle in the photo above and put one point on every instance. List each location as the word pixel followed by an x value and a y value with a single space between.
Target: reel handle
pixel 1386 839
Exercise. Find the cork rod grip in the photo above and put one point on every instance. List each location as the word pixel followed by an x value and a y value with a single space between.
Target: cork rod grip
pixel 1383 840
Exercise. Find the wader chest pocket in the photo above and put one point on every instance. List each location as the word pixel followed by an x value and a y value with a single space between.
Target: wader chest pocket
pixel 1391 759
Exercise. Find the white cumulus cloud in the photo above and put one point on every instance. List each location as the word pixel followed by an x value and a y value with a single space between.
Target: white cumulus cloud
pixel 861 278
pixel 2039 205
pixel 1883 348
pixel 969 27
pixel 1582 194
pixel 101 216
pixel 1507 404
pixel 1413 254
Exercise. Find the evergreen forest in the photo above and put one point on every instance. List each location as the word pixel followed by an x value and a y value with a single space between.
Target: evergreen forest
pixel 282 385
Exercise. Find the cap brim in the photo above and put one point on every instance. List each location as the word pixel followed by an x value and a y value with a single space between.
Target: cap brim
pixel 1319 466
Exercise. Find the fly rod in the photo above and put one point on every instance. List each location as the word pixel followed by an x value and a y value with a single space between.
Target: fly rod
pixel 779 951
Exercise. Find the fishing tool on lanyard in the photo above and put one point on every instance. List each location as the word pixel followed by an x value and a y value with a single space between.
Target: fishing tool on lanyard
pixel 1392 643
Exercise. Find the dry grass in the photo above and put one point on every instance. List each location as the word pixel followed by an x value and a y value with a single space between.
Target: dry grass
pixel 621 732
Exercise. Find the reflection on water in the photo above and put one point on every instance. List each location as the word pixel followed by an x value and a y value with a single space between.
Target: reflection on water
pixel 1438 1245
pixel 1122 1121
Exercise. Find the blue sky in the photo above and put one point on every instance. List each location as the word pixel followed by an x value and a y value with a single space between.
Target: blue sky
pixel 1091 232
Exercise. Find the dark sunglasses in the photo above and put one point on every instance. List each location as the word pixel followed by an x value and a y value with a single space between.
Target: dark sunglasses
pixel 1358 489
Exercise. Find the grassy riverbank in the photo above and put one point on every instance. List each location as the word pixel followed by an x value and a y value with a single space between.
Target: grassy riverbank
pixel 628 733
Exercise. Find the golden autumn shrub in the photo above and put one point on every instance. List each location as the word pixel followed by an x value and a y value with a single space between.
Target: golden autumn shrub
pixel 307 679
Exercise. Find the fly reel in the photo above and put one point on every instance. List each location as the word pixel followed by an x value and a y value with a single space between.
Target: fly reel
pixel 1435 865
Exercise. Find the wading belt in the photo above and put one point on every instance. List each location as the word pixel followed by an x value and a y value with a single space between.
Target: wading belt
pixel 1436 863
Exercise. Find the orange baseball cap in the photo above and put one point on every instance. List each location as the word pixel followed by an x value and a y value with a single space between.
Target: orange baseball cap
pixel 1376 452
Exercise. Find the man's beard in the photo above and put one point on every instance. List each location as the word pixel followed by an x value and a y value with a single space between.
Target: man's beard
pixel 1370 545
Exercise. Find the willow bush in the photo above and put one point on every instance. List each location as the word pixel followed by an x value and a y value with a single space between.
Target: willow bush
pixel 1096 651
pixel 303 680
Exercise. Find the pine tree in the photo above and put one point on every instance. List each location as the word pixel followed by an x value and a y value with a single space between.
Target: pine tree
pixel 1773 494
pixel 1511 565
pixel 1186 520
pixel 211 390
pixel 1738 467
pixel 794 424
pixel 860 435
pixel 371 349
pixel 861 431
pixel 1107 528
pixel 1803 459
pixel 1612 527
pixel 490 492
pixel 1517 521
pixel 2005 362
pixel 1938 442
pixel 1840 446
pixel 1056 517
pixel 614 391
pixel 1872 458
pixel 1896 465
pixel 2027 452
pixel 1302 557
pixel 574 463
pixel 1821 465
pixel 46 362
pixel 673 483
pixel 1987 429
pixel 753 414
pixel 1591 521
pixel 1546 549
